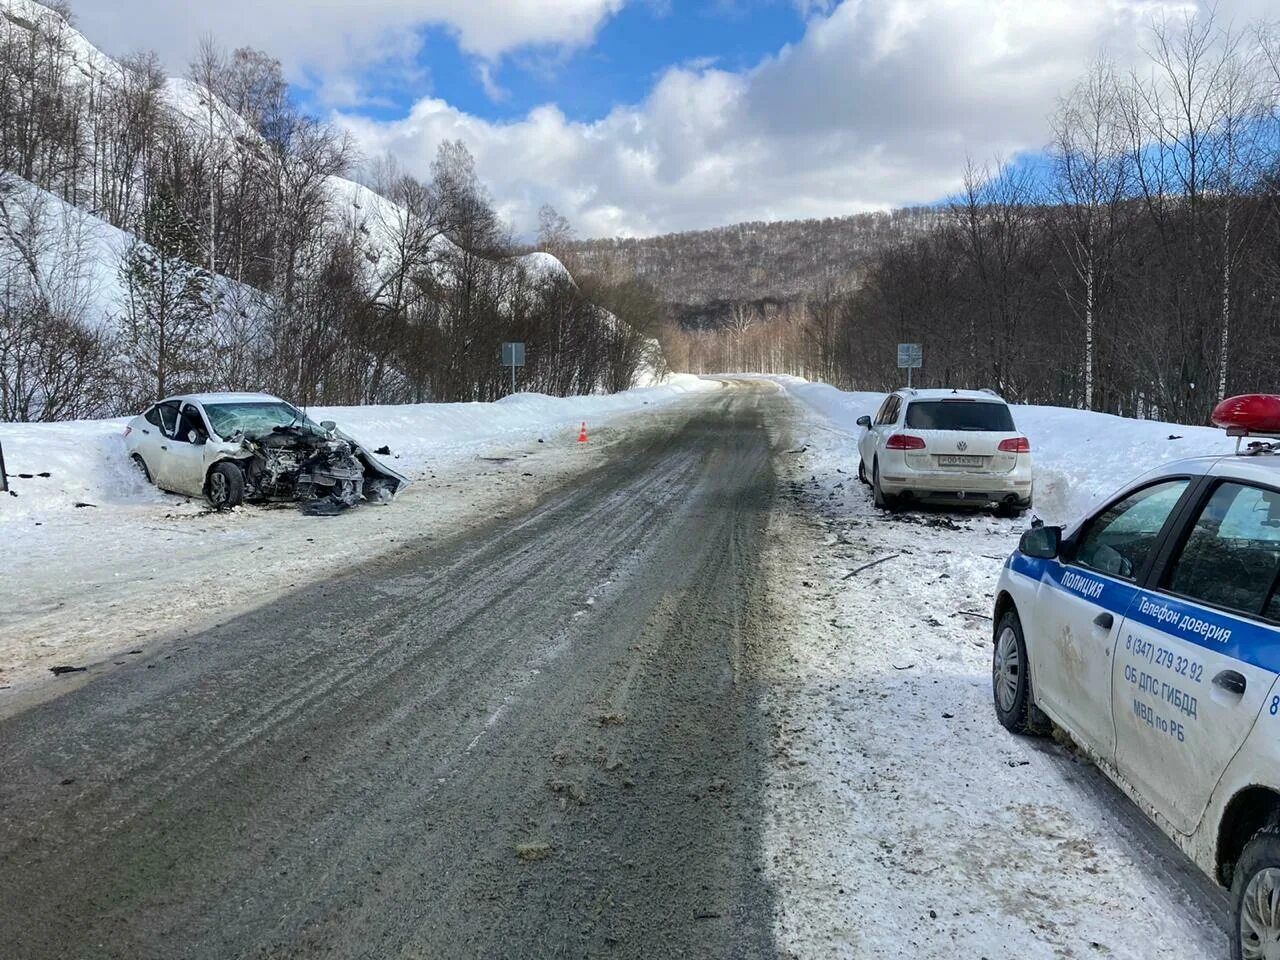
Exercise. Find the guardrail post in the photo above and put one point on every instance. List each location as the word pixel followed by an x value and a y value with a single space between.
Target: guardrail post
pixel 4 482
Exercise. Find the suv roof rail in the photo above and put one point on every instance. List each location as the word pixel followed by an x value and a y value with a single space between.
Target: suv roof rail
pixel 990 391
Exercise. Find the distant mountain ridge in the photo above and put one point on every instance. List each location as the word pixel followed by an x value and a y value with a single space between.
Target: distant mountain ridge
pixel 704 275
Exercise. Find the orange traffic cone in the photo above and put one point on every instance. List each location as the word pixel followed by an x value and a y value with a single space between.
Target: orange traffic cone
pixel 582 437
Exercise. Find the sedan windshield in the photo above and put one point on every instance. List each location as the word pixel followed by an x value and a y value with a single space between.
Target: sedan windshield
pixel 960 415
pixel 255 418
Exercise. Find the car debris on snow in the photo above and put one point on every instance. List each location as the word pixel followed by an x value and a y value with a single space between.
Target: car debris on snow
pixel 533 850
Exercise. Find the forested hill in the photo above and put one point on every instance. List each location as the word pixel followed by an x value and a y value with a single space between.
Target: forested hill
pixel 706 275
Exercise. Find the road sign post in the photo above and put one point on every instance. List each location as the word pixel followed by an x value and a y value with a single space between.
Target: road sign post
pixel 4 483
pixel 513 356
pixel 910 357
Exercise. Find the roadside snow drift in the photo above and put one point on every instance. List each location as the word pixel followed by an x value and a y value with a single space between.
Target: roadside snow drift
pixel 902 819
pixel 53 467
pixel 98 561
pixel 1079 456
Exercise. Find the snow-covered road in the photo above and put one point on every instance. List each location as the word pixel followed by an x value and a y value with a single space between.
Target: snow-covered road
pixel 789 672
pixel 903 820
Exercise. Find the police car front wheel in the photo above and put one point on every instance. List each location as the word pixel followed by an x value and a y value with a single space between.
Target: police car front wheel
pixel 1255 890
pixel 1011 678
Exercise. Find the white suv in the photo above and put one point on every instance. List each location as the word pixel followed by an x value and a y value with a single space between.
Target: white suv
pixel 1150 633
pixel 948 446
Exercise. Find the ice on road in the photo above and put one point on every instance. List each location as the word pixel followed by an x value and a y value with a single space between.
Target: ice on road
pixel 679 691
pixel 97 560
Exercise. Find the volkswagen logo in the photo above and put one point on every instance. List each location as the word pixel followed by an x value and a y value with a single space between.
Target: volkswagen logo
pixel 962 445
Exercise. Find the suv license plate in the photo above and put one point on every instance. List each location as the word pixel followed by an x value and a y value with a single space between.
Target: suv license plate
pixel 947 460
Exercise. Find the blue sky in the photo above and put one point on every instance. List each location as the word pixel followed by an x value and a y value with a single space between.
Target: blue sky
pixel 629 52
pixel 636 117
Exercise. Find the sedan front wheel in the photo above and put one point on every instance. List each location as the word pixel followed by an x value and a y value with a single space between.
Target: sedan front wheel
pixel 226 486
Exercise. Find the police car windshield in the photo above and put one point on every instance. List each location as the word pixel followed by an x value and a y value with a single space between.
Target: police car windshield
pixel 959 415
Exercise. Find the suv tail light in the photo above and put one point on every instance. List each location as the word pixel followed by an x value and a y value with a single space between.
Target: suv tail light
pixel 904 441
pixel 1015 445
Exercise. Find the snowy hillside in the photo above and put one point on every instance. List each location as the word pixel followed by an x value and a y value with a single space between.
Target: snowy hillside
pixel 74 257
pixel 369 212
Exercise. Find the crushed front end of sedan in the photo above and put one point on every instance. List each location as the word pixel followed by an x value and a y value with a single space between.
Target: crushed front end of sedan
pixel 233 448
pixel 320 470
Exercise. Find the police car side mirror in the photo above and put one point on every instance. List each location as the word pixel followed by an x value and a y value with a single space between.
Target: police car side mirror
pixel 864 421
pixel 1042 542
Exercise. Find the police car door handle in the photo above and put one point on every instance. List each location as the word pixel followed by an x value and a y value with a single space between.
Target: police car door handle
pixel 1104 620
pixel 1231 681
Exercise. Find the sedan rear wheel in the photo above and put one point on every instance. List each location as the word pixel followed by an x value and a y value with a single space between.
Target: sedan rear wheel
pixel 142 467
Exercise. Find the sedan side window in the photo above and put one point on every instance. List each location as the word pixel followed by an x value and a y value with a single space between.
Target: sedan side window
pixel 152 416
pixel 168 413
pixel 1119 540
pixel 189 420
pixel 1232 556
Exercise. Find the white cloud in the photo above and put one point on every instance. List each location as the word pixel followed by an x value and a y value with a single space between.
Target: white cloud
pixel 877 106
pixel 323 37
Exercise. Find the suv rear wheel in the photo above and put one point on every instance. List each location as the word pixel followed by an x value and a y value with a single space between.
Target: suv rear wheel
pixel 882 500
pixel 1255 894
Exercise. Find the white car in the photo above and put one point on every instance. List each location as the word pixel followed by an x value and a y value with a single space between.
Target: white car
pixel 1150 633
pixel 232 447
pixel 945 446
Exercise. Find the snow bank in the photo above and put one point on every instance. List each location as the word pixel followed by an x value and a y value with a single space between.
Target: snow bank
pixel 1080 456
pixel 86 462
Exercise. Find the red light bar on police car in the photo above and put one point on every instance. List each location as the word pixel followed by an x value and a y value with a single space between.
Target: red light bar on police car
pixel 1249 415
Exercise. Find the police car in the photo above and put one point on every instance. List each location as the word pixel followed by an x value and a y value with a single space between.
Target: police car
pixel 1150 633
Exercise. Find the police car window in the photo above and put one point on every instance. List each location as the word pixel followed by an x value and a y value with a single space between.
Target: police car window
pixel 1121 538
pixel 1232 555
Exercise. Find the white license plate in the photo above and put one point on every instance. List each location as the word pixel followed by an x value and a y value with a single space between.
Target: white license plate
pixel 948 460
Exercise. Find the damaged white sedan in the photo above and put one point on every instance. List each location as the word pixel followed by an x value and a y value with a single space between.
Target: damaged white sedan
pixel 238 447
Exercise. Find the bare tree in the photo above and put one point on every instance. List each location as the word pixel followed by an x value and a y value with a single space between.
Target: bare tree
pixel 1091 181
